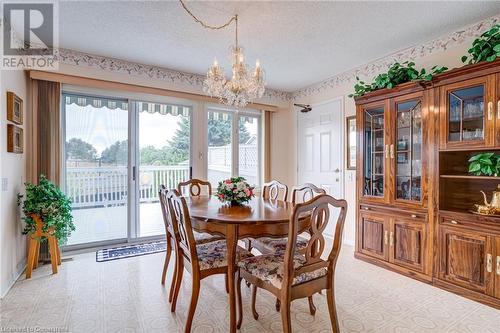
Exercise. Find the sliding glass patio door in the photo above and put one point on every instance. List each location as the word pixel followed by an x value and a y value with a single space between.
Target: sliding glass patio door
pixel 118 152
pixel 96 164
pixel 163 158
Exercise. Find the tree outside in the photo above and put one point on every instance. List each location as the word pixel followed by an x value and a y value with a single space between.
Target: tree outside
pixel 175 150
pixel 77 149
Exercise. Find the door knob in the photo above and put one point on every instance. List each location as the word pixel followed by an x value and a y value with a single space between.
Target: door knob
pixel 337 170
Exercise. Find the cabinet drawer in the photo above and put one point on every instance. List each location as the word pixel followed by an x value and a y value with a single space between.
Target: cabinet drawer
pixel 485 224
pixel 391 212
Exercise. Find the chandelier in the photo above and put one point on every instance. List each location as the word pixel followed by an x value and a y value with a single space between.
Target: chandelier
pixel 244 84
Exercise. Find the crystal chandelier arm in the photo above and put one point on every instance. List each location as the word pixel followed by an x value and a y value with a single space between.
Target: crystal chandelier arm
pixel 204 25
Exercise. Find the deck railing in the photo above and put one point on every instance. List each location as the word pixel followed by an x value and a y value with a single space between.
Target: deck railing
pixel 108 186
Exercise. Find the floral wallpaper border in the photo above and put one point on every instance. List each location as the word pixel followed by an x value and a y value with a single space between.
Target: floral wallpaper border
pixel 437 45
pixel 76 58
pixel 441 44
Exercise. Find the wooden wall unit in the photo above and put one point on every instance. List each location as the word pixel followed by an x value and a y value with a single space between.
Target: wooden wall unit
pixel 415 195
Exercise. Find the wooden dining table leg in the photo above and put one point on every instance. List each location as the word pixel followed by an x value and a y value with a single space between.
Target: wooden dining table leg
pixel 231 242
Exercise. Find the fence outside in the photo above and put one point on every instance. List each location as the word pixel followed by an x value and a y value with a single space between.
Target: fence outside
pixel 105 186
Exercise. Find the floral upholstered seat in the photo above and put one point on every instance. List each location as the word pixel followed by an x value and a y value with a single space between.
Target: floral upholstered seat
pixel 213 254
pixel 202 238
pixel 269 268
pixel 278 245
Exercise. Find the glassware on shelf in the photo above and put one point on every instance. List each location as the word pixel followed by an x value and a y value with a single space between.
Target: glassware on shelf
pixel 374 153
pixel 409 150
pixel 466 114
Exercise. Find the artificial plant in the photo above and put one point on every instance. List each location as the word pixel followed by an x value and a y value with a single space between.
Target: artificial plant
pixel 48 202
pixel 398 73
pixel 484 48
pixel 487 164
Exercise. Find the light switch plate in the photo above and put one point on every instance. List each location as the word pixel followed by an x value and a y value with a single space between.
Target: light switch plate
pixel 5 184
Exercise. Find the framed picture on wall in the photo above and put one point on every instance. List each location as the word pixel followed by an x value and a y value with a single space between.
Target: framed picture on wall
pixel 351 142
pixel 14 108
pixel 14 139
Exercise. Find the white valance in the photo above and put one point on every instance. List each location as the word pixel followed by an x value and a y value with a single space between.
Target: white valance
pixel 161 108
pixel 113 103
pixel 96 102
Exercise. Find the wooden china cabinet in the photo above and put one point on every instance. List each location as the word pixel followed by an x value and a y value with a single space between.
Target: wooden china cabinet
pixel 415 196
pixel 392 225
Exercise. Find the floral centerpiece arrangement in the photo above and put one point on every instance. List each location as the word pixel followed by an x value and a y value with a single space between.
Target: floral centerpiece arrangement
pixel 235 190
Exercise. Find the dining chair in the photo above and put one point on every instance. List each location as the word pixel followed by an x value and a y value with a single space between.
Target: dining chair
pixel 273 190
pixel 267 245
pixel 201 260
pixel 194 187
pixel 300 193
pixel 200 238
pixel 291 275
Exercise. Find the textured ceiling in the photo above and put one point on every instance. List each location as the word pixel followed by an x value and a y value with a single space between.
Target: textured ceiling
pixel 298 43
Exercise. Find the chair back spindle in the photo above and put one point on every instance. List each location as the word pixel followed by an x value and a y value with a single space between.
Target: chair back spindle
pixel 179 213
pixel 305 192
pixel 194 187
pixel 275 190
pixel 167 220
pixel 318 211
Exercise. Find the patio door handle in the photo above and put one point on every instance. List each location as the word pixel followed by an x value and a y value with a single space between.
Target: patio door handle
pixel 133 173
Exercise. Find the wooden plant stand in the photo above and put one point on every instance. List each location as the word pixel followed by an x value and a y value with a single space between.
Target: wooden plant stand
pixel 34 248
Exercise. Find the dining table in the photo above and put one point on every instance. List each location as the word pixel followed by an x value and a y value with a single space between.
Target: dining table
pixel 259 217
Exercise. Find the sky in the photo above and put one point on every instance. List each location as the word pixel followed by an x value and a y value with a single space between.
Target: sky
pixel 102 127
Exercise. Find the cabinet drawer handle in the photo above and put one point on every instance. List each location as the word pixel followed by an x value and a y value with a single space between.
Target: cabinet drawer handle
pixel 392 151
pixel 386 151
pixel 489 263
pixel 498 265
pixel 391 239
pixel 414 216
pixel 385 237
pixel 453 222
pixel 490 110
pixel 366 208
pixel 498 109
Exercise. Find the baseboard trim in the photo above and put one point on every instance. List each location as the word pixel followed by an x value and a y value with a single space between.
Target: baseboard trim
pixel 11 284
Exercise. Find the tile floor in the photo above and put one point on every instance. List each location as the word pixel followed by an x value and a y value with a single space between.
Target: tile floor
pixel 126 296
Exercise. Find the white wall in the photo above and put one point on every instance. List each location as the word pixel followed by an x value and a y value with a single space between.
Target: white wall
pixel 449 58
pixel 12 168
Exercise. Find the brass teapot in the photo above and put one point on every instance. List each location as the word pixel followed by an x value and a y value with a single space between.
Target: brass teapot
pixel 494 204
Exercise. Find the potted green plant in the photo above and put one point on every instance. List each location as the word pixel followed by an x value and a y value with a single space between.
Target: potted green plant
pixel 485 48
pixel 487 164
pixel 396 74
pixel 46 203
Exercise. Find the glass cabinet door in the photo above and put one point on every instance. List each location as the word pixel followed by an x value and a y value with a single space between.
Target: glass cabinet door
pixel 373 159
pixel 409 150
pixel 466 116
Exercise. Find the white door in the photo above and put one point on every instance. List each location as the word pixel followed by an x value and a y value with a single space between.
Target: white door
pixel 320 149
